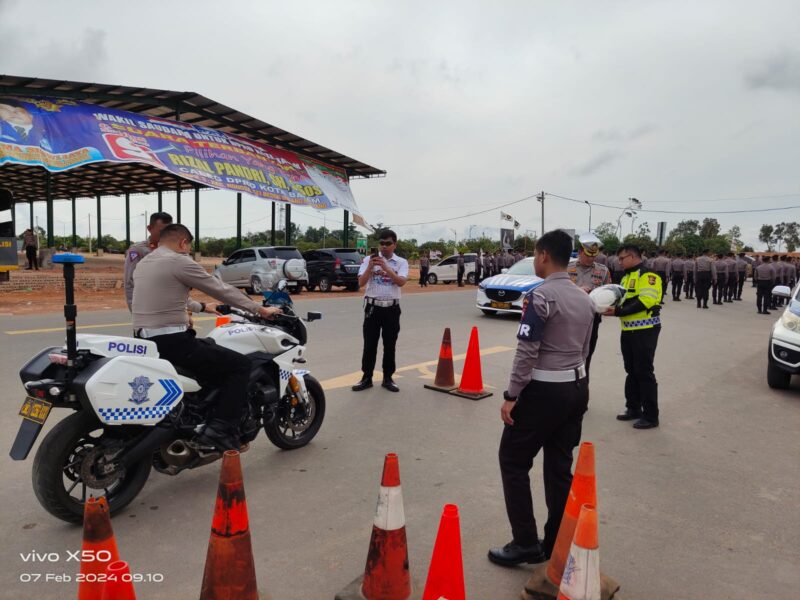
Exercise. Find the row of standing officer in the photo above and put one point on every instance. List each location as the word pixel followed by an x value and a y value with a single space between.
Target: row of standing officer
pixel 769 272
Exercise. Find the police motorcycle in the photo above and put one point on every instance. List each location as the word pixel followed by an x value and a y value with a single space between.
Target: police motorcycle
pixel 133 412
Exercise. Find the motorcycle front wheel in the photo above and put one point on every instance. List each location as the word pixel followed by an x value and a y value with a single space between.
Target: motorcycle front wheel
pixel 63 475
pixel 290 429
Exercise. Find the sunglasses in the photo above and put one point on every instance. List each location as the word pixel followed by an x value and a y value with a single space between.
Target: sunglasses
pixel 623 256
pixel 389 243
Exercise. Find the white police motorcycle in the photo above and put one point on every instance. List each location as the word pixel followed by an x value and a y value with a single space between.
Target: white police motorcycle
pixel 134 411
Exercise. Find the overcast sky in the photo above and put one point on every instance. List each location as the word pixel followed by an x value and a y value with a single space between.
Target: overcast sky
pixel 687 106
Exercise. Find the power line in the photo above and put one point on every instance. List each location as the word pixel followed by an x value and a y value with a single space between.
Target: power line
pixel 680 212
pixel 480 212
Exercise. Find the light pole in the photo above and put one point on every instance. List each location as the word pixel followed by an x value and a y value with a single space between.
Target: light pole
pixel 146 233
pixel 629 211
pixel 586 202
pixel 455 238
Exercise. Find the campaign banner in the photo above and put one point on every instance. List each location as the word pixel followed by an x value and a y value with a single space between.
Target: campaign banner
pixel 61 134
pixel 507 238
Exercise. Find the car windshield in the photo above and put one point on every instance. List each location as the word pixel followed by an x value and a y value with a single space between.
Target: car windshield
pixel 523 267
pixel 348 256
pixel 287 253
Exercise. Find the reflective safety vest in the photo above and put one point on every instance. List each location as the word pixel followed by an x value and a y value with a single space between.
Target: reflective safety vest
pixel 646 286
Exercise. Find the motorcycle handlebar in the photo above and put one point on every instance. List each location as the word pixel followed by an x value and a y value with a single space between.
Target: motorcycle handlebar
pixel 226 309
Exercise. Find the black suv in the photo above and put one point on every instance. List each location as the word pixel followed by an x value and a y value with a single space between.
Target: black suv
pixel 332 266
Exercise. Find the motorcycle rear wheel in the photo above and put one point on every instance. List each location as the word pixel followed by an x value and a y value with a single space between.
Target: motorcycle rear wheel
pixel 57 466
pixel 279 431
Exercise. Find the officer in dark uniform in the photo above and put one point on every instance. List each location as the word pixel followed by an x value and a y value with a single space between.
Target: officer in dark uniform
pixel 661 266
pixel 764 274
pixel 460 269
pixel 719 268
pixel 641 325
pixel 544 404
pixel 676 268
pixel 741 267
pixel 688 277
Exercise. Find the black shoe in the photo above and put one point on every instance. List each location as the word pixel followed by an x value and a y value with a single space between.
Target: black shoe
pixel 738 299
pixel 705 306
pixel 364 384
pixel 766 312
pixel 761 312
pixel 219 434
pixel 629 415
pixel 513 554
pixel 645 424
pixel 390 385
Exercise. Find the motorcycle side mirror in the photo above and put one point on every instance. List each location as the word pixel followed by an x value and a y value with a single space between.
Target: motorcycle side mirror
pixel 224 309
pixel 314 316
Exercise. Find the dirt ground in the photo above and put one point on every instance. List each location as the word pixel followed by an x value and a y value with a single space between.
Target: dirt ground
pixel 48 300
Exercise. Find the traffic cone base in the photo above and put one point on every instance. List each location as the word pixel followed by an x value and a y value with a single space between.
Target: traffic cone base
pixel 445 379
pixel 539 586
pixel 98 541
pixel 471 385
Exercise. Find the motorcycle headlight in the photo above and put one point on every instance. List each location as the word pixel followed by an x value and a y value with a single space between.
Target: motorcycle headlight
pixel 791 321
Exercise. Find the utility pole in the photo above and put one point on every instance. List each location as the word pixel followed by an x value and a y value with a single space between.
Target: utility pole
pixel 89 216
pixel 540 198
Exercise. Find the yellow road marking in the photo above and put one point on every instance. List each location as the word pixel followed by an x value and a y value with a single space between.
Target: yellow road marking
pixel 54 329
pixel 423 370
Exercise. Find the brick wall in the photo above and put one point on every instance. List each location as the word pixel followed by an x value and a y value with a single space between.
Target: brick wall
pixel 24 280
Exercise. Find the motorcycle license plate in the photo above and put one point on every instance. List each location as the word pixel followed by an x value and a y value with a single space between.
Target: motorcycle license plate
pixel 34 413
pixel 501 304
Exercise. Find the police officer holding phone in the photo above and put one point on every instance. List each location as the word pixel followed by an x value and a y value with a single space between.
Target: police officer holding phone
pixel 383 274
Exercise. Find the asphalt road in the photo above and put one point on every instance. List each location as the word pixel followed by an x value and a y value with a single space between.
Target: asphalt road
pixel 703 507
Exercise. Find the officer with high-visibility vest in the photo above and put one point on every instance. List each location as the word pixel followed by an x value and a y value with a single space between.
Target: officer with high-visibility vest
pixel 641 324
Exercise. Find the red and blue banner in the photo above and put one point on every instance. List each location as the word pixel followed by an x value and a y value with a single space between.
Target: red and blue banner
pixel 60 134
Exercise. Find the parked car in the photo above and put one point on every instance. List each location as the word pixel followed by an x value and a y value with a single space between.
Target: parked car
pixel 504 293
pixel 328 267
pixel 256 269
pixel 446 270
pixel 783 358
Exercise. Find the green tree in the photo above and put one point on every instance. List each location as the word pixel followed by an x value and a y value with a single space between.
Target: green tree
pixel 735 236
pixel 690 227
pixel 607 233
pixel 710 228
pixel 767 235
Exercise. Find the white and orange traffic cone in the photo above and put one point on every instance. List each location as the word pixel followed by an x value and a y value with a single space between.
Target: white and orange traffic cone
pixel 581 578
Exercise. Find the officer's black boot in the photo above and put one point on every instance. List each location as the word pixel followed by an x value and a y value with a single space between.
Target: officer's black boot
pixel 220 434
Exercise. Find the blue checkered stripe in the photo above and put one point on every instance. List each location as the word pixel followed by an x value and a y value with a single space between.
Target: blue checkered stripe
pixel 284 374
pixel 133 414
pixel 643 322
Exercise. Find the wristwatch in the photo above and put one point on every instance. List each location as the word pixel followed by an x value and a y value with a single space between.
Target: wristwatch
pixel 507 397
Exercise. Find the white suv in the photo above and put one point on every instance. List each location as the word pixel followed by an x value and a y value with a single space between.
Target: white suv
pixel 256 269
pixel 784 341
pixel 447 269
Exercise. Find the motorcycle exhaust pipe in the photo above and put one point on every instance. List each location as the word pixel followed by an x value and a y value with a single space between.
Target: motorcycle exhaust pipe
pixel 147 445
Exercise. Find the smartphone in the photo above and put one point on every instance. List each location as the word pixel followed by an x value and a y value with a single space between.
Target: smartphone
pixel 373 252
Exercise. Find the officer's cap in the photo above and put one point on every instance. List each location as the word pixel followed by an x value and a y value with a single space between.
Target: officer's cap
pixel 590 243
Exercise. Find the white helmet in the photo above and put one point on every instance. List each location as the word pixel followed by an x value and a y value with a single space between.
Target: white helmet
pixel 606 296
pixel 590 243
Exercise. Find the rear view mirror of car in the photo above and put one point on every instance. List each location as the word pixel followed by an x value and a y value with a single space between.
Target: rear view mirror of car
pixel 782 291
pixel 314 316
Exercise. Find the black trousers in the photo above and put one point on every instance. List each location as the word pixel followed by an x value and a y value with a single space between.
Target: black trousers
pixel 460 276
pixel 688 285
pixel 764 296
pixel 719 288
pixel 593 340
pixel 703 283
pixel 733 284
pixel 742 277
pixel 32 257
pixel 214 366
pixel 423 276
pixel 547 416
pixel 677 284
pixel 641 387
pixel 664 284
pixel 380 322
pixel 478 270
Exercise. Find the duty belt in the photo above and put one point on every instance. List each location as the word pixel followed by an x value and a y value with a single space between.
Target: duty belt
pixel 381 303
pixel 546 376
pixel 149 333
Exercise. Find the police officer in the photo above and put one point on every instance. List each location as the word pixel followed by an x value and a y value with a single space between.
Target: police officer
pixel 677 269
pixel 733 277
pixel 487 265
pixel 741 268
pixel 478 268
pixel 764 275
pixel 616 270
pixel 705 275
pixel 719 269
pixel 588 274
pixel 545 401
pixel 160 297
pixel 460 269
pixel 383 275
pixel 31 242
pixel 138 251
pixel 424 267
pixel 688 277
pixel 641 325
pixel 660 266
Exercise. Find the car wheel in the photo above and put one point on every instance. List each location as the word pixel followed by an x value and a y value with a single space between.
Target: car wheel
pixel 255 285
pixel 489 313
pixel 777 378
pixel 432 279
pixel 471 278
pixel 325 284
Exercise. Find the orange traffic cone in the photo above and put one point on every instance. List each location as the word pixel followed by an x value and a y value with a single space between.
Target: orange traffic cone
pixel 583 491
pixel 581 579
pixel 222 320
pixel 118 585
pixel 445 380
pixel 386 575
pixel 230 572
pixel 446 573
pixel 99 548
pixel 471 385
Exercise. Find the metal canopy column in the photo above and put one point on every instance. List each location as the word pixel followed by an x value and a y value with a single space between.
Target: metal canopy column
pixel 99 224
pixel 346 234
pixel 178 200
pixel 50 222
pixel 32 224
pixel 160 202
pixel 272 229
pixel 197 218
pixel 74 225
pixel 238 220
pixel 127 220
pixel 288 233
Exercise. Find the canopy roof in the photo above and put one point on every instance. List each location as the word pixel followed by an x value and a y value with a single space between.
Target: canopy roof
pixel 30 183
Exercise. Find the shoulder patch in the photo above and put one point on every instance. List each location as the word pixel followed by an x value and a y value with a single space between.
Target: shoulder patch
pixel 651 279
pixel 133 255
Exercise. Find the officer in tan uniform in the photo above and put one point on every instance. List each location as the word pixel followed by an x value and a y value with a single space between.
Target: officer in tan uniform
pixel 138 251
pixel 160 297
pixel 545 401
pixel 704 276
pixel 719 270
pixel 764 275
pixel 588 274
pixel 733 278
pixel 689 269
pixel 677 269
pixel 661 267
